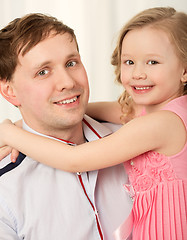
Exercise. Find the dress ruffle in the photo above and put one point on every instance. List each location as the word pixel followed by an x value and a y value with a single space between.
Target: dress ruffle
pixel 160 213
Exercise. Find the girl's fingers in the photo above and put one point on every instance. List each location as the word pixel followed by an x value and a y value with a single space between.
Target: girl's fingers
pixel 14 155
pixel 4 151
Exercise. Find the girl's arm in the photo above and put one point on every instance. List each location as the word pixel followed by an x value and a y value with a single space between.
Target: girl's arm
pixel 134 138
pixel 6 150
pixel 105 111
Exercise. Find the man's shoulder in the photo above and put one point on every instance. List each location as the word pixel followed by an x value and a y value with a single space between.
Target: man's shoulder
pixel 94 129
pixel 112 126
pixel 6 166
pixel 5 161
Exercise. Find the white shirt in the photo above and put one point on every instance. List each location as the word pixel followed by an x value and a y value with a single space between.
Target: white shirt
pixel 38 202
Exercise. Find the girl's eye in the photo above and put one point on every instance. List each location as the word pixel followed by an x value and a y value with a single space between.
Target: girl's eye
pixel 152 62
pixel 129 62
pixel 71 64
pixel 43 72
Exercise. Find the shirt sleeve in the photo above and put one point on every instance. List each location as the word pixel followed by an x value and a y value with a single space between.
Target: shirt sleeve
pixel 7 225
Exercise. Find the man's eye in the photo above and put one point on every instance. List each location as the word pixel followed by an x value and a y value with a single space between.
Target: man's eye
pixel 71 64
pixel 129 62
pixel 43 72
pixel 152 62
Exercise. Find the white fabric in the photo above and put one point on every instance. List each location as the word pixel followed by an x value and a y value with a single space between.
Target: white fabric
pixel 41 203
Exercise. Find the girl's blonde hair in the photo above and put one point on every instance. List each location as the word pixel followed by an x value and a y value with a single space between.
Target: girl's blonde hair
pixel 165 18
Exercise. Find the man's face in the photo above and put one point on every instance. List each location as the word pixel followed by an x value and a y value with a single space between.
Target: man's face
pixel 51 85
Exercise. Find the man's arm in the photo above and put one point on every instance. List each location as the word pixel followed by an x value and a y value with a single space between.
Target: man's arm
pixel 7 225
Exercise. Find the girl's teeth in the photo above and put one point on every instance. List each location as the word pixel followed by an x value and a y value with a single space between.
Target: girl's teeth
pixel 141 88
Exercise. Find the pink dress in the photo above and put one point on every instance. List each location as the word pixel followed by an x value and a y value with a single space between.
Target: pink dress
pixel 159 188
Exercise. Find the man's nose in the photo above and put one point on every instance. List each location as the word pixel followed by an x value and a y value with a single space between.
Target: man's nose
pixel 64 80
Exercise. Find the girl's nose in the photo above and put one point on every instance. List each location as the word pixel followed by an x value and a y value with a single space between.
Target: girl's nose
pixel 139 73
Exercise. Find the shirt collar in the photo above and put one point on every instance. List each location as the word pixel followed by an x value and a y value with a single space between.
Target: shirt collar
pixel 93 130
pixel 29 129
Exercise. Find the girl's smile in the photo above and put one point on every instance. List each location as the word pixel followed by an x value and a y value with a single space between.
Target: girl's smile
pixel 151 72
pixel 141 89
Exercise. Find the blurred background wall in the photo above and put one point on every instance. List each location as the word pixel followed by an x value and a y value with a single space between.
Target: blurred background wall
pixel 96 24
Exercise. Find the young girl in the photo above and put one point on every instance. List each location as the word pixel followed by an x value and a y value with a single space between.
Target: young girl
pixel 151 63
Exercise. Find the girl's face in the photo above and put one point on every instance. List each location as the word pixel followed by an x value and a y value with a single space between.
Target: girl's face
pixel 151 72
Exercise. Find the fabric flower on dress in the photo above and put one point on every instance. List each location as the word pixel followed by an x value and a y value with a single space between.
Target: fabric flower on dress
pixel 143 183
pixel 168 174
pixel 156 159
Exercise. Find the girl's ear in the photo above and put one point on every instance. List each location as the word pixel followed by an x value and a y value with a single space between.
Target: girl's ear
pixel 7 91
pixel 184 77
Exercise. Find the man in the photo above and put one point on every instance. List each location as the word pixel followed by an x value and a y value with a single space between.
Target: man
pixel 42 74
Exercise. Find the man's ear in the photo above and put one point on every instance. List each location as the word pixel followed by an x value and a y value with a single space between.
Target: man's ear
pixel 7 91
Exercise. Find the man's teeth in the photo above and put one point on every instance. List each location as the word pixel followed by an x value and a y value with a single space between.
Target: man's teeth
pixel 68 101
pixel 141 88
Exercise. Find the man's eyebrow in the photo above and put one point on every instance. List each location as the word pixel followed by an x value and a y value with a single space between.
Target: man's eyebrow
pixel 76 54
pixel 40 65
pixel 43 64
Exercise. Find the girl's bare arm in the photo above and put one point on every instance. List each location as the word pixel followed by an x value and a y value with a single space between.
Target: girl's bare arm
pixel 105 111
pixel 134 138
pixel 6 150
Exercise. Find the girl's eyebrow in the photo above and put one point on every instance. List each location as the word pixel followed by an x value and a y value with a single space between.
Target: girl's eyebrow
pixel 148 55
pixel 125 55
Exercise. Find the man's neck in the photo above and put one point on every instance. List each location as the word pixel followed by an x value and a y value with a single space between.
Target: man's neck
pixel 74 134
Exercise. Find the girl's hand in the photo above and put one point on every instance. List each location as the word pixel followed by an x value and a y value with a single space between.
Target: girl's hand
pixel 6 150
pixel 3 126
pixel 18 123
